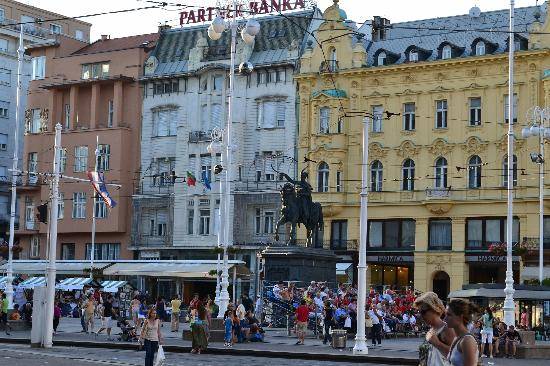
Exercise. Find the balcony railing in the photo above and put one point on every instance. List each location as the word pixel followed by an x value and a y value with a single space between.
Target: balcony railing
pixel 153 241
pixel 329 66
pixel 200 136
pixel 29 29
pixel 339 244
pixel 438 193
pixel 31 225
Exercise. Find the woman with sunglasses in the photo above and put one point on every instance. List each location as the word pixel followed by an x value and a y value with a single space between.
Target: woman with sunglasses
pixel 440 336
pixel 463 350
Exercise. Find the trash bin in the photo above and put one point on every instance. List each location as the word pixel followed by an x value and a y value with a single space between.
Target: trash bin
pixel 339 338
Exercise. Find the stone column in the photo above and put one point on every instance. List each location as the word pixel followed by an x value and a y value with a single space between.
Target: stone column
pixel 458 266
pixel 73 102
pixel 94 106
pixel 117 104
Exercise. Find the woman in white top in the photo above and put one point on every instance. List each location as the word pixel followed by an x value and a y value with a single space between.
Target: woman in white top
pixel 463 350
pixel 440 336
pixel 150 336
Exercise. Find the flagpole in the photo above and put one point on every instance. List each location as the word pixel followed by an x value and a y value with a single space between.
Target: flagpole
pixel 94 194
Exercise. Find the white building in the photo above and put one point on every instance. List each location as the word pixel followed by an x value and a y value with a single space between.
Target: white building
pixel 185 96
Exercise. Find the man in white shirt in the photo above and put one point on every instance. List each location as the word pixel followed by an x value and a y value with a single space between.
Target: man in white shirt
pixel 318 302
pixel 376 316
pixel 277 291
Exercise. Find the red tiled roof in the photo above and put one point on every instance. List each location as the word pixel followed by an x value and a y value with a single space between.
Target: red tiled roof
pixel 116 44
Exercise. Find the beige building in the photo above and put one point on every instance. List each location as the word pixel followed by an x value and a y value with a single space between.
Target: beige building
pixel 437 179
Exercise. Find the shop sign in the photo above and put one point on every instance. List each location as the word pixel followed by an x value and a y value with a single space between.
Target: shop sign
pixel 488 258
pixel 394 259
pixel 202 15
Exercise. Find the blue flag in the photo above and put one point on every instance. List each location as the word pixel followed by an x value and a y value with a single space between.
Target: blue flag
pixel 206 181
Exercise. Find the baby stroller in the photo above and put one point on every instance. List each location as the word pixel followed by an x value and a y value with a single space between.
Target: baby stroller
pixel 128 331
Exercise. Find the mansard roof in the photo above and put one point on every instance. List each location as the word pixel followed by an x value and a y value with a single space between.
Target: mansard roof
pixel 429 34
pixel 272 44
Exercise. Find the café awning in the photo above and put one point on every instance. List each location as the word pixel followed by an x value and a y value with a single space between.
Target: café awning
pixel 112 286
pixel 490 293
pixel 76 283
pixel 63 267
pixel 32 282
pixel 182 269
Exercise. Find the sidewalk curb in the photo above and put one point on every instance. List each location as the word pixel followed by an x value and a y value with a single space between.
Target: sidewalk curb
pixel 379 360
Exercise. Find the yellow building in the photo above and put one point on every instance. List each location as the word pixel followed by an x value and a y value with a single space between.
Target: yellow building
pixel 437 195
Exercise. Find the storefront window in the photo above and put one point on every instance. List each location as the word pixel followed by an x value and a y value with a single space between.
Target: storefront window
pixel 387 275
pixel 440 232
pixel 482 232
pixel 391 233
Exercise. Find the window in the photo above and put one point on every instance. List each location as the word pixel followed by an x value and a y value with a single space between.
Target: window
pixel 391 233
pixel 110 113
pixel 482 232
pixel 382 59
pixel 269 222
pixel 546 236
pixel 262 77
pixel 441 114
pixel 103 251
pixel 4 45
pixel 409 110
pixel 206 168
pixel 480 48
pixel 38 68
pixel 28 23
pixel 377 112
pixel 35 122
pixel 95 71
pixel 164 167
pixel 61 206
pixel 322 177
pixel 3 141
pixel 258 222
pixel 67 116
pixel 29 213
pixel 5 77
pixel 505 171
pixel 32 162
pixel 475 111
pixel 281 76
pixel 204 223
pixel 2 14
pixel 79 35
pixel 100 208
pixel 440 234
pixel 67 251
pixel 441 173
pixel 324 119
pixel 376 174
pixel 271 114
pixel 56 29
pixel 62 160
pixel 506 106
pixel 161 229
pixel 446 52
pixel 408 175
pixel 339 234
pixel 474 172
pixel 165 122
pixel 35 247
pixel 79 205
pixel 3 173
pixel 333 60
pixel 190 221
pixel 4 109
pixel 103 157
pixel 80 158
pixel 218 83
pixel 413 56
pixel 216 115
pixel 339 182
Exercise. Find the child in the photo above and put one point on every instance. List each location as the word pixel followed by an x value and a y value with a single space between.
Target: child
pixel 228 322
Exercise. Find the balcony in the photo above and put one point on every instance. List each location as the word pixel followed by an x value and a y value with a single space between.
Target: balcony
pixel 29 29
pixel 29 182
pixel 31 225
pixel 438 193
pixel 329 66
pixel 200 136
pixel 152 241
pixel 342 245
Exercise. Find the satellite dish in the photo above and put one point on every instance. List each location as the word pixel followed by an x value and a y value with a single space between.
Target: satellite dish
pixel 475 12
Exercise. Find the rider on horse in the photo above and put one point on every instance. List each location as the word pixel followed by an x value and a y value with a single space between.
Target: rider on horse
pixel 303 193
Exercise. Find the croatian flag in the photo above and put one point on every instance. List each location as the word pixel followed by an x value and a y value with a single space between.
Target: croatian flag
pixel 98 182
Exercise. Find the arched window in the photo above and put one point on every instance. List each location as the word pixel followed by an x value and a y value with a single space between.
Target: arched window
pixel 382 59
pixel 333 60
pixel 474 172
pixel 413 56
pixel 408 175
pixel 446 52
pixel 376 171
pixel 324 119
pixel 322 177
pixel 480 48
pixel 505 171
pixel 441 173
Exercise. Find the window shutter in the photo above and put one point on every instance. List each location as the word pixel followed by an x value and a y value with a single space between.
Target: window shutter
pixel 260 114
pixel 270 114
pixel 281 114
pixel 216 116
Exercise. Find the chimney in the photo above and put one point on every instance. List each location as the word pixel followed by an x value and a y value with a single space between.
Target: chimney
pixel 105 37
pixel 163 27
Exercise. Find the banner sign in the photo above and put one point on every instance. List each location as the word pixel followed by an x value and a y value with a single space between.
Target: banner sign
pixel 391 259
pixel 254 7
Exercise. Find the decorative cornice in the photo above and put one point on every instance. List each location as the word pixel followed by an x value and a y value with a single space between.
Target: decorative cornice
pixel 408 92
pixel 502 143
pixel 376 151
pixel 474 145
pixel 440 147
pixel 440 89
pixel 474 86
pixel 407 149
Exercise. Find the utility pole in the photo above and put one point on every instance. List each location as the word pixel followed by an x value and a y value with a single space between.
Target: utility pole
pixel 94 194
pixel 15 172
pixel 50 269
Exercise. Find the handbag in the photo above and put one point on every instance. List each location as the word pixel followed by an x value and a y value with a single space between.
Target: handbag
pixel 347 322
pixel 161 358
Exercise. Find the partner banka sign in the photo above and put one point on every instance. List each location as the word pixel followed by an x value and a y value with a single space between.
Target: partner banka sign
pixel 202 15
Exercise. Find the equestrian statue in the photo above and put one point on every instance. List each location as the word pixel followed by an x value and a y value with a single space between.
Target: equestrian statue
pixel 298 208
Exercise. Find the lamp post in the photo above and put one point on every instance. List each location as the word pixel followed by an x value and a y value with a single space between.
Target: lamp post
pixel 540 115
pixel 223 141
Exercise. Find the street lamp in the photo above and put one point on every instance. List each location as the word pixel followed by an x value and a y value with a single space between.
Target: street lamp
pixel 223 141
pixel 539 115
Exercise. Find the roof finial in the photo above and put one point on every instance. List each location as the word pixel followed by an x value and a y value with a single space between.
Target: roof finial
pixel 336 2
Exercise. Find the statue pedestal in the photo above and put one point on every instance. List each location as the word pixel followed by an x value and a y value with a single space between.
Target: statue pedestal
pixel 294 263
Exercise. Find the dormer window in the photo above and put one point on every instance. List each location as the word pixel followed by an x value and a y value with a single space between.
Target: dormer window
pixel 480 48
pixel 446 52
pixel 413 56
pixel 382 59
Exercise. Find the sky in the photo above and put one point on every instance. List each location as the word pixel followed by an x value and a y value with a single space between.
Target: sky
pixel 147 21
